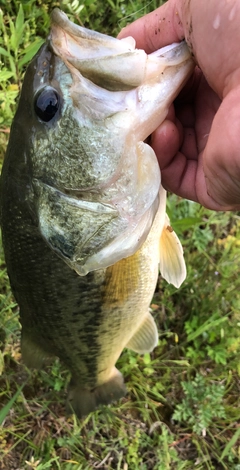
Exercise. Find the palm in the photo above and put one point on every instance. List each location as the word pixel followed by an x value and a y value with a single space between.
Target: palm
pixel 184 141
pixel 198 147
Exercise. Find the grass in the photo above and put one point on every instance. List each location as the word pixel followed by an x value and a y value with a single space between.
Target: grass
pixel 182 410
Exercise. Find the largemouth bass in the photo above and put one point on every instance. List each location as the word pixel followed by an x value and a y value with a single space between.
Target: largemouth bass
pixel 83 214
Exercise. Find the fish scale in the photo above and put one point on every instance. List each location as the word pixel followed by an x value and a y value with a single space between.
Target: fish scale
pixel 83 213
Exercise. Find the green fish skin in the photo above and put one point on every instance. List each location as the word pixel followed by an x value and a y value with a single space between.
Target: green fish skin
pixel 81 212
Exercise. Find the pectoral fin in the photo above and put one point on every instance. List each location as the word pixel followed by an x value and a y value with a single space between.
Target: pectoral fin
pixel 172 263
pixel 146 337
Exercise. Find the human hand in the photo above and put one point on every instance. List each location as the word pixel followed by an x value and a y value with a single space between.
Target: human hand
pixel 198 145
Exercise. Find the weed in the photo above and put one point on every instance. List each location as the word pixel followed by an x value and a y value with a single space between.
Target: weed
pixel 201 404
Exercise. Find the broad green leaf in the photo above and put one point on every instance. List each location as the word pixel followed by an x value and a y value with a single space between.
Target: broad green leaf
pixel 20 19
pixel 4 75
pixel 4 52
pixel 17 30
pixel 30 52
pixel 186 223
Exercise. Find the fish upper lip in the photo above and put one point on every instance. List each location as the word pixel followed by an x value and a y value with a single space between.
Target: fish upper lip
pixel 94 55
pixel 60 19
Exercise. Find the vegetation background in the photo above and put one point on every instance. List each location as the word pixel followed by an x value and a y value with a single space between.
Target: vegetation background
pixel 182 410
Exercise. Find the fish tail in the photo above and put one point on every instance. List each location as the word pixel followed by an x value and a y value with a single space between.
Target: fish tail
pixel 82 401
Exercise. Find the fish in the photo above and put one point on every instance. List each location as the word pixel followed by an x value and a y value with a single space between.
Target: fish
pixel 83 212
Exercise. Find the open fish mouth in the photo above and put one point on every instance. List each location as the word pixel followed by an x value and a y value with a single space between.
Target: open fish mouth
pixel 88 51
pixel 107 61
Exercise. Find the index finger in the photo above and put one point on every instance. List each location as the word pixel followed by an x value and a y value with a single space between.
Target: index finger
pixel 159 28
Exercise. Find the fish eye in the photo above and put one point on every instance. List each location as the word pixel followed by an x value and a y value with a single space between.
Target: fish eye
pixel 47 103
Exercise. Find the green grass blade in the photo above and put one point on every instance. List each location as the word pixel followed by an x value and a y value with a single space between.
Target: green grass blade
pixel 208 325
pixel 230 444
pixel 5 410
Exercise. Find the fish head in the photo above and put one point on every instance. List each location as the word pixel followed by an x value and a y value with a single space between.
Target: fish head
pixel 91 101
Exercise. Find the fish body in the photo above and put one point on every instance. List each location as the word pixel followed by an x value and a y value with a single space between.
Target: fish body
pixel 82 209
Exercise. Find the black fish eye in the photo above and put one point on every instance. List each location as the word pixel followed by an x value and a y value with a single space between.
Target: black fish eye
pixel 47 103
